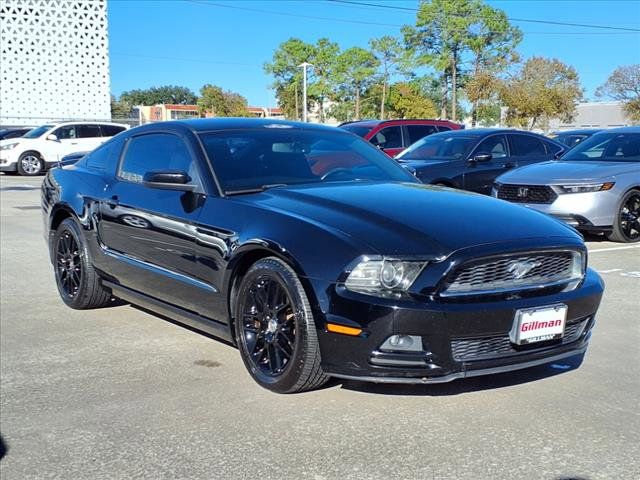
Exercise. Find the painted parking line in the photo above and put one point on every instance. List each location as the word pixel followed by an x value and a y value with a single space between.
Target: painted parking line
pixel 613 248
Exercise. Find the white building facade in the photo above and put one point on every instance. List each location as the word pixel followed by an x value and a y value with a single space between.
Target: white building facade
pixel 54 61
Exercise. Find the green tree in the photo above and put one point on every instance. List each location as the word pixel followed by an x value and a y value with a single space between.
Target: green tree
pixel 542 89
pixel 322 83
pixel 492 41
pixel 221 103
pixel 624 85
pixel 172 94
pixel 120 108
pixel 284 67
pixel 354 73
pixel 407 101
pixel 440 38
pixel 390 54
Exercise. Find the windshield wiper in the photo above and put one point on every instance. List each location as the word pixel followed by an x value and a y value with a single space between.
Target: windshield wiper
pixel 262 188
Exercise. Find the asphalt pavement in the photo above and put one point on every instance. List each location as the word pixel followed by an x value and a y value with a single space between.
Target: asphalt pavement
pixel 119 393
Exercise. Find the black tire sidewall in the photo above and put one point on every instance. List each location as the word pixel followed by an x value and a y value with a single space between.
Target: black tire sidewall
pixel 26 174
pixel 617 235
pixel 69 225
pixel 285 382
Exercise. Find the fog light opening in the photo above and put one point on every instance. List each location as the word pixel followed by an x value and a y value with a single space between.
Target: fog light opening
pixel 402 343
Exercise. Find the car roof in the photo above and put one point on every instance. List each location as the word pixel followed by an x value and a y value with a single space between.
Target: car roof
pixel 483 132
pixel 578 131
pixel 373 122
pixel 635 129
pixel 230 123
pixel 85 122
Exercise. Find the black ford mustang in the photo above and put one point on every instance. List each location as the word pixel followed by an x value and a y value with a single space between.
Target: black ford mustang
pixel 316 254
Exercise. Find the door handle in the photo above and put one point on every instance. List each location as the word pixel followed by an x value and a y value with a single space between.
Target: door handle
pixel 113 202
pixel 508 165
pixel 74 143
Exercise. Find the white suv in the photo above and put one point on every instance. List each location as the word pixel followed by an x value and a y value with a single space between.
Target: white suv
pixel 42 147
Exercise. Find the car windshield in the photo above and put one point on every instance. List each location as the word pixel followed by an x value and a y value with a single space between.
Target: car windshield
pixel 252 160
pixel 358 130
pixel 37 132
pixel 439 147
pixel 607 147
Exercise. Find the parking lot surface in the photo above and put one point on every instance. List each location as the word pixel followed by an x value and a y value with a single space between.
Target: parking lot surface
pixel 121 393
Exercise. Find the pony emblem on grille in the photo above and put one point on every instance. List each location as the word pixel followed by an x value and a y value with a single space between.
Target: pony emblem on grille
pixel 520 269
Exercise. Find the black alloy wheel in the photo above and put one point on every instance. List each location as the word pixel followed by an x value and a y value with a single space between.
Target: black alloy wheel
pixel 275 330
pixel 77 281
pixel 68 264
pixel 626 228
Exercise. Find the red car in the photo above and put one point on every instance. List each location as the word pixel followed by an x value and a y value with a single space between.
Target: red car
pixel 393 136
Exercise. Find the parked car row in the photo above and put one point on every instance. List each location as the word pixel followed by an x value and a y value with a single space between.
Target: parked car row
pixel 40 148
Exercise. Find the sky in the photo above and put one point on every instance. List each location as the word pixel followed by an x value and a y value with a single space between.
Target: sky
pixel 226 42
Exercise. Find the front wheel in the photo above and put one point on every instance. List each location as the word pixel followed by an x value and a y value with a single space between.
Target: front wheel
pixel 275 330
pixel 626 226
pixel 30 164
pixel 77 281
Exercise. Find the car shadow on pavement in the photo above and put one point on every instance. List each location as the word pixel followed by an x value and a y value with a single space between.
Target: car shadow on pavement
pixel 468 385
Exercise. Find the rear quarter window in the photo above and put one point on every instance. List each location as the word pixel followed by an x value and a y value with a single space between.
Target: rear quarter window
pixel 111 130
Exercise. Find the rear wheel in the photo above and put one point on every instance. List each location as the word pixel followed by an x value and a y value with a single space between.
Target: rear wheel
pixel 275 330
pixel 77 281
pixel 30 164
pixel 626 226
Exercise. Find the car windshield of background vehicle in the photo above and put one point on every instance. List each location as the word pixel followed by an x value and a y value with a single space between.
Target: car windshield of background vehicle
pixel 439 147
pixel 36 132
pixel 360 131
pixel 607 147
pixel 252 160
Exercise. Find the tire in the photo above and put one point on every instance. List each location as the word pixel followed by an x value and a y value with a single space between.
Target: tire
pixel 30 164
pixel 626 226
pixel 275 330
pixel 77 281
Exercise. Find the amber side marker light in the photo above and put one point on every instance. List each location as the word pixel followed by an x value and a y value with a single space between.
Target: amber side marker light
pixel 335 328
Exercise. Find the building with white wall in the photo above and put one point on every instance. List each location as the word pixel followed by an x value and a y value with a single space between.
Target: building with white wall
pixel 54 61
pixel 594 115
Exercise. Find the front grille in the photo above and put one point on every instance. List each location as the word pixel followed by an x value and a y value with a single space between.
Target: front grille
pixel 527 193
pixel 464 350
pixel 513 273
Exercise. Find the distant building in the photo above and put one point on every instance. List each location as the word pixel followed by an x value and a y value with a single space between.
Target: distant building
pixel 594 115
pixel 54 62
pixel 167 111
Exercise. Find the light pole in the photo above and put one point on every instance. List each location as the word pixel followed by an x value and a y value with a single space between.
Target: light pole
pixel 304 66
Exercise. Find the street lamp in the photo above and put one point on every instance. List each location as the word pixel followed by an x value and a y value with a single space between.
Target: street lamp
pixel 304 66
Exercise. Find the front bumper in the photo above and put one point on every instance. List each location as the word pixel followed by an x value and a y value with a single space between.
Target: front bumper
pixel 458 339
pixel 7 164
pixel 585 211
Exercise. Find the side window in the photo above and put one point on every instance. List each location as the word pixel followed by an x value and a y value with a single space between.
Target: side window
pixel 416 132
pixel 553 148
pixel 156 151
pixel 442 128
pixel 390 137
pixel 88 131
pixel 66 133
pixel 527 146
pixel 105 156
pixel 111 130
pixel 496 145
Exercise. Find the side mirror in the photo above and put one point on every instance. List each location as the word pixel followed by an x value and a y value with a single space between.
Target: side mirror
pixel 482 157
pixel 559 154
pixel 52 137
pixel 168 180
pixel 409 169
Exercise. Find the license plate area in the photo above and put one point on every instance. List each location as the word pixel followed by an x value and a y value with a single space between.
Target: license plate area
pixel 539 324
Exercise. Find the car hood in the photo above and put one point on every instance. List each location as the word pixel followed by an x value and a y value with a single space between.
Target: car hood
pixel 408 218
pixel 554 172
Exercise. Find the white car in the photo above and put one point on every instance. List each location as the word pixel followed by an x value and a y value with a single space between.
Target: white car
pixel 43 146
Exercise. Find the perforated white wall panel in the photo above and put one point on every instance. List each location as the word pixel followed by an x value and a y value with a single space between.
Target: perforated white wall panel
pixel 54 62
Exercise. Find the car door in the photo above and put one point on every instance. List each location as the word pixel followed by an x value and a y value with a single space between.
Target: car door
pixel 488 160
pixel 389 140
pixel 413 133
pixel 527 149
pixel 67 141
pixel 149 233
pixel 89 136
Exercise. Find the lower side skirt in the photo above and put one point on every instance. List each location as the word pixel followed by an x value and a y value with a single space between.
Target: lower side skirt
pixel 212 327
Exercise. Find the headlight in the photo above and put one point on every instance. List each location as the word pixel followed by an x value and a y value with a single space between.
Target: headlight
pixel 9 146
pixel 380 276
pixel 586 188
